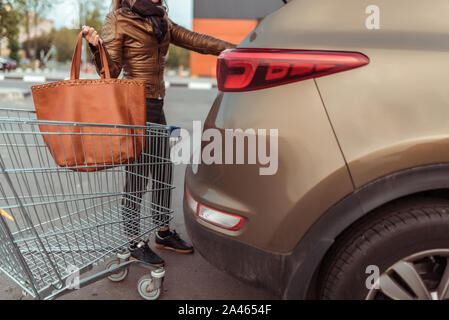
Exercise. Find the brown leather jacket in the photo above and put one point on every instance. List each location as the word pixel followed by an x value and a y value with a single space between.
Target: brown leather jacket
pixel 131 45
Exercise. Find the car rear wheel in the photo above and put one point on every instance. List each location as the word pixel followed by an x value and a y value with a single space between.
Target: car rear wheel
pixel 399 252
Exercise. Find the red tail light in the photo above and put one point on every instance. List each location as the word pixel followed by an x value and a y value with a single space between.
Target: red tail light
pixel 252 69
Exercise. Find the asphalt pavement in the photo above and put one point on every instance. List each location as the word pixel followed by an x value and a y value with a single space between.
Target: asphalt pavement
pixel 188 277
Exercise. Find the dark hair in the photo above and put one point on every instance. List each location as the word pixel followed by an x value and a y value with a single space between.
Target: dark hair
pixel 117 4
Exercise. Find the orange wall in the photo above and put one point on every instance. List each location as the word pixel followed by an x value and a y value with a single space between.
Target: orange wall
pixel 226 29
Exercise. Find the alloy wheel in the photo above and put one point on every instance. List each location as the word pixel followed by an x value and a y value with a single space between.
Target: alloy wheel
pixel 421 276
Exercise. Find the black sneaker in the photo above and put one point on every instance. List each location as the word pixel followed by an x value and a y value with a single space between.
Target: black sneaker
pixel 142 252
pixel 173 242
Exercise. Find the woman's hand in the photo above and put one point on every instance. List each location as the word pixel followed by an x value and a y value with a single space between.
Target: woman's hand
pixel 91 35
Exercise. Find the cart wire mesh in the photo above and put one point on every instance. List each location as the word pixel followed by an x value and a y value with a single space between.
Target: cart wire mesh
pixel 55 221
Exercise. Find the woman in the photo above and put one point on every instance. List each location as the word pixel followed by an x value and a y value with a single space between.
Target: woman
pixel 136 36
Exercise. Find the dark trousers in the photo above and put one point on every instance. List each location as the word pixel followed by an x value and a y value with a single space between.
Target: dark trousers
pixel 152 165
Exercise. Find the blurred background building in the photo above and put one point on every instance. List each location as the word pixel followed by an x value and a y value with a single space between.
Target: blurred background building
pixel 230 20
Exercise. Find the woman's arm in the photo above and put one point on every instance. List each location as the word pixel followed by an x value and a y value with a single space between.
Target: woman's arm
pixel 113 44
pixel 198 42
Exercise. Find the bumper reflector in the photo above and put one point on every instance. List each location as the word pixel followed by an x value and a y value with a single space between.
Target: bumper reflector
pixel 217 218
pixel 193 204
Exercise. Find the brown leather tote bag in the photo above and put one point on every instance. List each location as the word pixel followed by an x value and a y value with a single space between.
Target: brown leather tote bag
pixel 80 145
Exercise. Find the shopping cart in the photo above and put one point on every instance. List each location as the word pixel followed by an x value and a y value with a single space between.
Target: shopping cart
pixel 57 223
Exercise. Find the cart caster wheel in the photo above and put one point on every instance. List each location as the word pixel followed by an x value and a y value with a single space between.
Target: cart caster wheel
pixel 120 275
pixel 146 289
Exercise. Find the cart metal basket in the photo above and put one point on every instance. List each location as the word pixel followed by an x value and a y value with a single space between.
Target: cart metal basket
pixel 57 223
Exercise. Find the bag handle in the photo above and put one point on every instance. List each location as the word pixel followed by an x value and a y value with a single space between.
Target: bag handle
pixel 76 60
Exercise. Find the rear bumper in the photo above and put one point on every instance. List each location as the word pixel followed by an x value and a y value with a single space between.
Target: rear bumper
pixel 255 266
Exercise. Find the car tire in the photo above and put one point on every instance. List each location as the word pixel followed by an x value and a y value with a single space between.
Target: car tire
pixel 410 234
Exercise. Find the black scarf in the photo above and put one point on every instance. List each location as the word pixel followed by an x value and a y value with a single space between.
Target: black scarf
pixel 154 13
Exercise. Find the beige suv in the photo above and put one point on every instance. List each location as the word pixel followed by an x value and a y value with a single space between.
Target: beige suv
pixel 358 207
